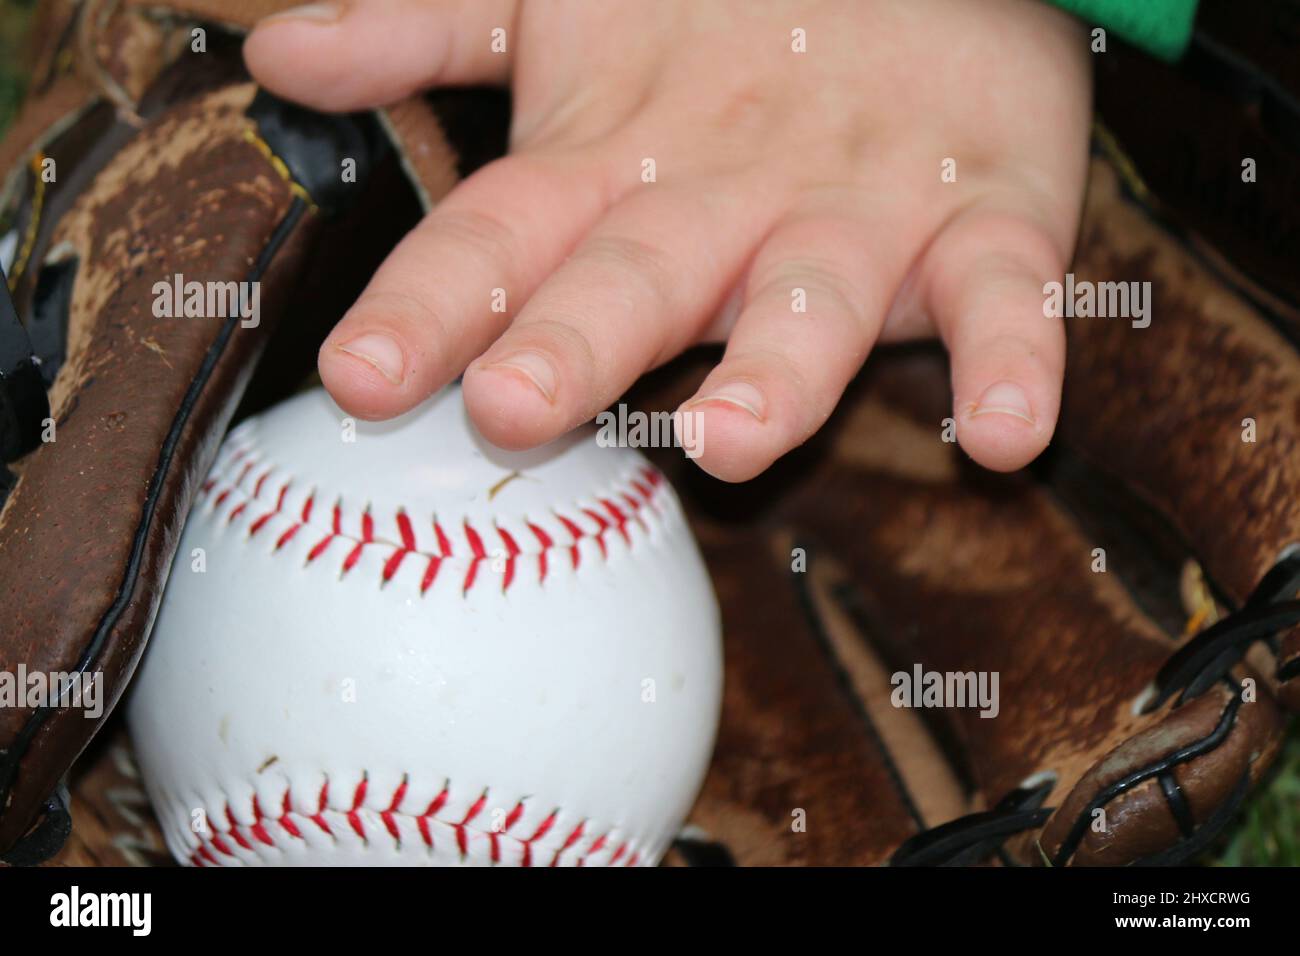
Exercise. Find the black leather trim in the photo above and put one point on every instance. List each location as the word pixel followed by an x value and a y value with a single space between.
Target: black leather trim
pixel 47 324
pixel 23 402
pixel 314 145
pixel 12 757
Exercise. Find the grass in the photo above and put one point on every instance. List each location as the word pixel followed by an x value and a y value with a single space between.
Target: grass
pixel 1268 833
pixel 14 15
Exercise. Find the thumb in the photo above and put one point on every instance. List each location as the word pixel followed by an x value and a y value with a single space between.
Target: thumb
pixel 355 54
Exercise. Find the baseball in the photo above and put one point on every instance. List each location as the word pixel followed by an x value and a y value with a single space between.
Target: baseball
pixel 391 643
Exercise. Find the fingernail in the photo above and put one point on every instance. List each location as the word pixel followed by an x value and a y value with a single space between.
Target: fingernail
pixel 1004 398
pixel 741 394
pixel 318 12
pixel 380 351
pixel 534 366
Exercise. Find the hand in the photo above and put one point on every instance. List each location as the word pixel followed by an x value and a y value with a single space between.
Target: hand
pixel 774 171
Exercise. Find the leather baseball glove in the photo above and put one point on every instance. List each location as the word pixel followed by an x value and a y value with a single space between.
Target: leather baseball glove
pixel 1135 594
pixel 145 164
pixel 882 560
pixel 1087 664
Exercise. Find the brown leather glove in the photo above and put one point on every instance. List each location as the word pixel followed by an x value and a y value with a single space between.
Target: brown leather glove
pixel 874 551
pixel 1105 675
pixel 1195 418
pixel 139 164
pixel 915 564
pixel 957 572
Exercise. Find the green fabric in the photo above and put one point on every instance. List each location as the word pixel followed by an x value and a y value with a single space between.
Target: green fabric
pixel 1161 27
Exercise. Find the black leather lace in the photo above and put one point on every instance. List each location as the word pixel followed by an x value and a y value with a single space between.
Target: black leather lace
pixel 1210 655
pixel 23 403
pixel 48 836
pixel 977 836
pixel 1194 668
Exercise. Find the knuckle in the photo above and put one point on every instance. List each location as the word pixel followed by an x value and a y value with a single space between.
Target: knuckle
pixel 828 290
pixel 643 264
pixel 563 338
pixel 1016 241
pixel 476 231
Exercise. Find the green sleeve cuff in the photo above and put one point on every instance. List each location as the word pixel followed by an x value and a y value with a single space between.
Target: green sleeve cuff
pixel 1161 27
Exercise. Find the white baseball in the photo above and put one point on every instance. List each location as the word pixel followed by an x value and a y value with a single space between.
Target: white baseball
pixel 416 649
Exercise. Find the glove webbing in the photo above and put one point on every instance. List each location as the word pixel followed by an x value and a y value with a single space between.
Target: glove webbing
pixel 1209 656
pixel 972 838
pixel 1189 672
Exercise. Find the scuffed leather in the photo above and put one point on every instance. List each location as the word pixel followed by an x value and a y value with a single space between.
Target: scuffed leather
pixel 161 171
pixel 801 775
pixel 958 569
pixel 1198 415
pixel 964 571
pixel 68 527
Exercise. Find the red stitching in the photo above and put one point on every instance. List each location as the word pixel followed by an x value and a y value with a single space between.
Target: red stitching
pixel 603 525
pixel 358 799
pixel 406 531
pixel 260 523
pixel 216 844
pixel 259 828
pixel 512 552
pixel 479 556
pixel 318 817
pixel 462 837
pixel 444 545
pixel 620 519
pixel 639 495
pixel 284 820
pixel 430 572
pixel 544 540
pixel 389 815
pixel 574 530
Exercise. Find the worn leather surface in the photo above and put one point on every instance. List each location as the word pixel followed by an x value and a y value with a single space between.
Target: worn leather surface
pixel 811 766
pixel 914 557
pixel 963 571
pixel 84 52
pixel 113 822
pixel 1164 407
pixel 177 179
pixel 959 570
pixel 411 122
pixel 69 527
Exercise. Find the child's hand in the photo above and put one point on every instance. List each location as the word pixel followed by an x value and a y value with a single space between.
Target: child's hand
pixel 774 171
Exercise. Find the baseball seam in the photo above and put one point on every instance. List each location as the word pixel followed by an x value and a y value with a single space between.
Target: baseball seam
pixel 246 488
pixel 279 831
pixel 627 507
